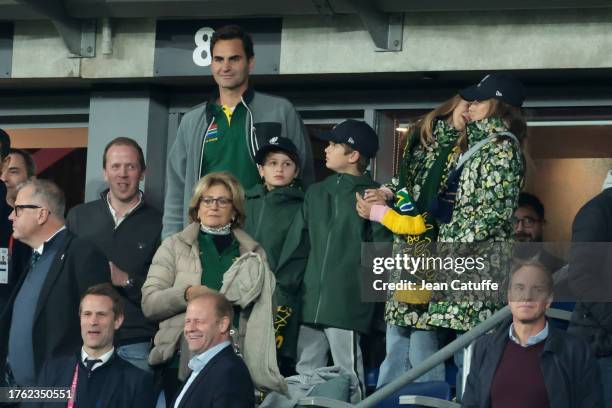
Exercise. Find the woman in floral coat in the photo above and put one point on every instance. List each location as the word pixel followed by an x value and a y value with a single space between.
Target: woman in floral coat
pixel 489 185
pixel 424 167
pixel 487 191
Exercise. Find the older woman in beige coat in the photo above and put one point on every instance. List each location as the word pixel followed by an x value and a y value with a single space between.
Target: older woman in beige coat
pixel 212 253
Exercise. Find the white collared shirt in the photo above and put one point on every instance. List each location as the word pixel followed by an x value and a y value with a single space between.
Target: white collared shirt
pixel 128 212
pixel 197 363
pixel 535 339
pixel 104 357
pixel 42 246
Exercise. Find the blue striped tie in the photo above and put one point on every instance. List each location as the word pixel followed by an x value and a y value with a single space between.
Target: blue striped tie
pixel 35 257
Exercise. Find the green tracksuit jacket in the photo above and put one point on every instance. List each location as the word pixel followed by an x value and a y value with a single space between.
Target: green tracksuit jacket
pixel 331 229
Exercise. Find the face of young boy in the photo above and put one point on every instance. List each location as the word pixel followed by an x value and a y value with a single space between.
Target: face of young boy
pixel 335 158
pixel 278 170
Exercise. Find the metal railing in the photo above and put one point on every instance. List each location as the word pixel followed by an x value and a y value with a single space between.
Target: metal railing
pixel 440 356
pixel 437 358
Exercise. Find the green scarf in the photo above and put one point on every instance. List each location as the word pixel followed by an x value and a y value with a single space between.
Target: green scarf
pixel 446 138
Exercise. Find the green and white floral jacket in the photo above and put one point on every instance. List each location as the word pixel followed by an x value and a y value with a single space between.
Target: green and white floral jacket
pixel 486 198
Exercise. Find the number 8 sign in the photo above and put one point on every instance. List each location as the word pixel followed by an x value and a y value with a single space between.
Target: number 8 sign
pixel 182 47
pixel 201 54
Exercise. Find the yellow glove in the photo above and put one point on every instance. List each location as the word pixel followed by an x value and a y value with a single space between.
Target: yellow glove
pixel 403 224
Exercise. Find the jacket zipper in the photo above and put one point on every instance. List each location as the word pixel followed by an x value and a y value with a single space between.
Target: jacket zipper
pixel 251 141
pixel 327 251
pixel 199 174
pixel 261 213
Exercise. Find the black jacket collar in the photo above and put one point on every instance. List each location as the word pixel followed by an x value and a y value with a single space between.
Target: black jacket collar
pixel 552 343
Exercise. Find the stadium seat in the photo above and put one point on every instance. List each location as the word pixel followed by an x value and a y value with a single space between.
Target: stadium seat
pixel 438 392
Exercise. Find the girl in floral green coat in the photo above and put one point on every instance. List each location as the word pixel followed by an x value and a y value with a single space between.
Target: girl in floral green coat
pixel 425 164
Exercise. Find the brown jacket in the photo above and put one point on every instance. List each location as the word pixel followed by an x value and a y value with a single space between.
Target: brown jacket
pixel 176 266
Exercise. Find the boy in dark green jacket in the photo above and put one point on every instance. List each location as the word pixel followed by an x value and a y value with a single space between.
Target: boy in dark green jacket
pixel 271 208
pixel 333 315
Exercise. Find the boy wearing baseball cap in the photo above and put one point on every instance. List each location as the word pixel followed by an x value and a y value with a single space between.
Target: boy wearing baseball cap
pixel 271 207
pixel 333 315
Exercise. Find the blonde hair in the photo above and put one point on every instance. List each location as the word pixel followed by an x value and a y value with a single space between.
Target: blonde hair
pixel 221 178
pixel 426 122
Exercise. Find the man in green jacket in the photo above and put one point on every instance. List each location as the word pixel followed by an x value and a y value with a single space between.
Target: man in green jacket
pixel 224 133
pixel 333 315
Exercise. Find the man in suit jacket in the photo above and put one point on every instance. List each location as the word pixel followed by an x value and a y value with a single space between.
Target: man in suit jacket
pixel 97 376
pixel 219 378
pixel 40 320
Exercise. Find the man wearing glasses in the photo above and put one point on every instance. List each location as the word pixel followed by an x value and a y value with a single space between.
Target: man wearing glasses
pixel 528 228
pixel 40 321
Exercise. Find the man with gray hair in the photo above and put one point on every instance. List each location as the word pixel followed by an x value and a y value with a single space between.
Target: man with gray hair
pixel 39 321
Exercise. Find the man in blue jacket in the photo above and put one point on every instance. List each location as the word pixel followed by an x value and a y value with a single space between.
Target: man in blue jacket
pixel 39 321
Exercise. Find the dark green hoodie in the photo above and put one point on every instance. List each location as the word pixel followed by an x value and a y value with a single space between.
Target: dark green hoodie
pixel 334 232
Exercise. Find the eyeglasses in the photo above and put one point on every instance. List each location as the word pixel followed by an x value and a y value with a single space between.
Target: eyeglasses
pixel 221 201
pixel 527 222
pixel 20 207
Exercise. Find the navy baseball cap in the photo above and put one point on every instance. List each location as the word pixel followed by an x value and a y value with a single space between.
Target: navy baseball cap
pixel 503 87
pixel 354 133
pixel 277 144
